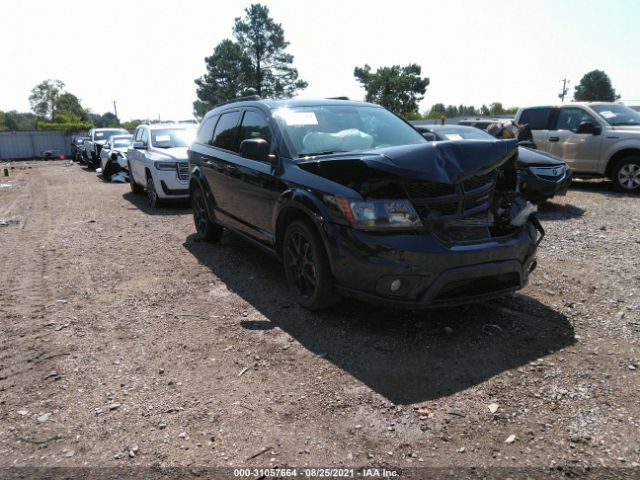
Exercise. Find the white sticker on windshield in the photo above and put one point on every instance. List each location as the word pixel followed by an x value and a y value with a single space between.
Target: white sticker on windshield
pixel 163 138
pixel 298 118
pixel 99 134
pixel 453 136
pixel 608 114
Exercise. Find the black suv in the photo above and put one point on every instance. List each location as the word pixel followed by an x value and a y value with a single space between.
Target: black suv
pixel 356 202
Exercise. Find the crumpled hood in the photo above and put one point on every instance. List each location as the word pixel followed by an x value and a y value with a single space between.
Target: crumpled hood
pixel 443 162
pixel 529 157
pixel 175 153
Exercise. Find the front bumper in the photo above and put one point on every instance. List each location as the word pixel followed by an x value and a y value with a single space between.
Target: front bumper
pixel 170 186
pixel 430 272
pixel 538 187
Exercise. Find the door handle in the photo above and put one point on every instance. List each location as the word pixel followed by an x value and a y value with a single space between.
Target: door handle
pixel 554 139
pixel 231 168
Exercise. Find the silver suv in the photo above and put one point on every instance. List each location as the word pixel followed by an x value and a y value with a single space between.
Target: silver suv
pixel 596 139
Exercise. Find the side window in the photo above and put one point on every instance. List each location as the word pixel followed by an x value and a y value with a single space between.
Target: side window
pixel 205 132
pixel 138 136
pixel 570 118
pixel 255 125
pixel 226 131
pixel 145 136
pixel 536 118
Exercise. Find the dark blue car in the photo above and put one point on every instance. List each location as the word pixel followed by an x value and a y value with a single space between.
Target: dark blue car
pixel 355 202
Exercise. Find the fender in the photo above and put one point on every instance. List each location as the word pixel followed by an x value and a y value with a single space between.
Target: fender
pixel 295 201
pixel 612 151
pixel 198 179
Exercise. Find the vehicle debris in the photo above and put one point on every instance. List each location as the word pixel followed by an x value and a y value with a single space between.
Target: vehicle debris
pixel 13 220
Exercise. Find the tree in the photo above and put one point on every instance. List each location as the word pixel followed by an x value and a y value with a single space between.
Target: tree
pixel 19 121
pixel 262 40
pixel 106 120
pixel 228 69
pixel 484 110
pixel 396 88
pixel 437 110
pixel 131 124
pixel 595 86
pixel 70 104
pixel 496 108
pixel 3 125
pixel 44 96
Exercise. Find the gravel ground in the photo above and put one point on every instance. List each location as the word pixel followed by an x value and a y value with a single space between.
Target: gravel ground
pixel 126 342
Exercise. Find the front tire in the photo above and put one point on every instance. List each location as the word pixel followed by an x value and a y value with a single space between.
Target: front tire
pixel 206 229
pixel 306 267
pixel 626 175
pixel 152 195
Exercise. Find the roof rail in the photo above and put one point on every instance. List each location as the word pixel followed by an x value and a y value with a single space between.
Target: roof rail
pixel 240 99
pixel 337 98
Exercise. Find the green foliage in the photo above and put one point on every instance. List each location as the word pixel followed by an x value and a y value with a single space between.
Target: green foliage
pixel 256 63
pixel 3 125
pixel 106 120
pixel 396 88
pixel 450 111
pixel 262 40
pixel 44 96
pixel 19 121
pixel 131 124
pixel 228 70
pixel 72 125
pixel 70 104
pixel 412 116
pixel 595 86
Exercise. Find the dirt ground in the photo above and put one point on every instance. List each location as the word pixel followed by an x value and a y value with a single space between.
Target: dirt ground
pixel 126 342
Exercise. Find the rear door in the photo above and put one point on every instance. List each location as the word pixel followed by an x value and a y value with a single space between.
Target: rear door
pixel 538 119
pixel 581 151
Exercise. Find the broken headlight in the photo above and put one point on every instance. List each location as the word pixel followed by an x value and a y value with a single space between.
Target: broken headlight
pixel 379 214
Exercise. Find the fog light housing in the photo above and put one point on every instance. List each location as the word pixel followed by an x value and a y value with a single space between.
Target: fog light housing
pixel 395 285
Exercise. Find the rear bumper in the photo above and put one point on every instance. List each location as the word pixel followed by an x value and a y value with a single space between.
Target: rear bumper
pixel 429 272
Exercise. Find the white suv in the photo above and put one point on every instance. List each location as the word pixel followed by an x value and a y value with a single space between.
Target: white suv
pixel 596 139
pixel 158 161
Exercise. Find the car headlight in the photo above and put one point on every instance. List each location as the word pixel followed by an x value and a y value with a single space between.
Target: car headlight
pixel 379 214
pixel 166 165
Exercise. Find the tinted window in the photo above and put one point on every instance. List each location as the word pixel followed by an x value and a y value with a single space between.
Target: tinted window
pixel 138 137
pixel 145 136
pixel 536 118
pixel 570 118
pixel 205 133
pixel 254 125
pixel 226 131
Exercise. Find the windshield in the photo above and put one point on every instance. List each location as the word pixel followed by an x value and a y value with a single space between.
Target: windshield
pixel 122 142
pixel 172 137
pixel 328 129
pixel 107 134
pixel 462 133
pixel 616 115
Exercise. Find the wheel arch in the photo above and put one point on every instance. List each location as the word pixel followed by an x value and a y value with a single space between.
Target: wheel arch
pixel 619 155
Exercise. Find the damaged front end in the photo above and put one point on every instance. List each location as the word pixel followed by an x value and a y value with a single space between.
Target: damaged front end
pixel 434 224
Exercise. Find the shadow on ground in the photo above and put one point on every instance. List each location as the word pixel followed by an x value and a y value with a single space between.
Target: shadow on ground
pixel 406 356
pixel 551 211
pixel 172 208
pixel 601 186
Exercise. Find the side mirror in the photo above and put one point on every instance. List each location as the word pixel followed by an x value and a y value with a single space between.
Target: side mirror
pixel 589 128
pixel 256 149
pixel 528 144
pixel 139 145
pixel 429 136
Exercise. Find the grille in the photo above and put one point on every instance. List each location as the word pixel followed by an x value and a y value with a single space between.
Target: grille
pixel 479 181
pixel 475 202
pixel 549 173
pixel 183 171
pixel 429 189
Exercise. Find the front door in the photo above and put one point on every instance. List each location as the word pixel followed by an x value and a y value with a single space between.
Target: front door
pixel 581 151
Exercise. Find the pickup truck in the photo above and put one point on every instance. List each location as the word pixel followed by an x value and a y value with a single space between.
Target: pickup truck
pixel 595 139
pixel 97 137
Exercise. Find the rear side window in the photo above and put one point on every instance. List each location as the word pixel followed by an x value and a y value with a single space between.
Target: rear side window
pixel 536 118
pixel 205 133
pixel 255 125
pixel 226 131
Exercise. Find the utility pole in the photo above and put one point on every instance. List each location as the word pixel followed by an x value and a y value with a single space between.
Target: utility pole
pixel 115 109
pixel 565 89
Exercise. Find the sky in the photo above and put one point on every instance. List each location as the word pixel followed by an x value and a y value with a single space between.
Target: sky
pixel 145 54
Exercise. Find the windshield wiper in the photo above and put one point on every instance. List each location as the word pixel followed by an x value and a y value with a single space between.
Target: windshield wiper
pixel 315 154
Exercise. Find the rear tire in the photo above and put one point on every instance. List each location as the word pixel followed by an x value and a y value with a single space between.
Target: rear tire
pixel 135 188
pixel 206 229
pixel 626 174
pixel 306 267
